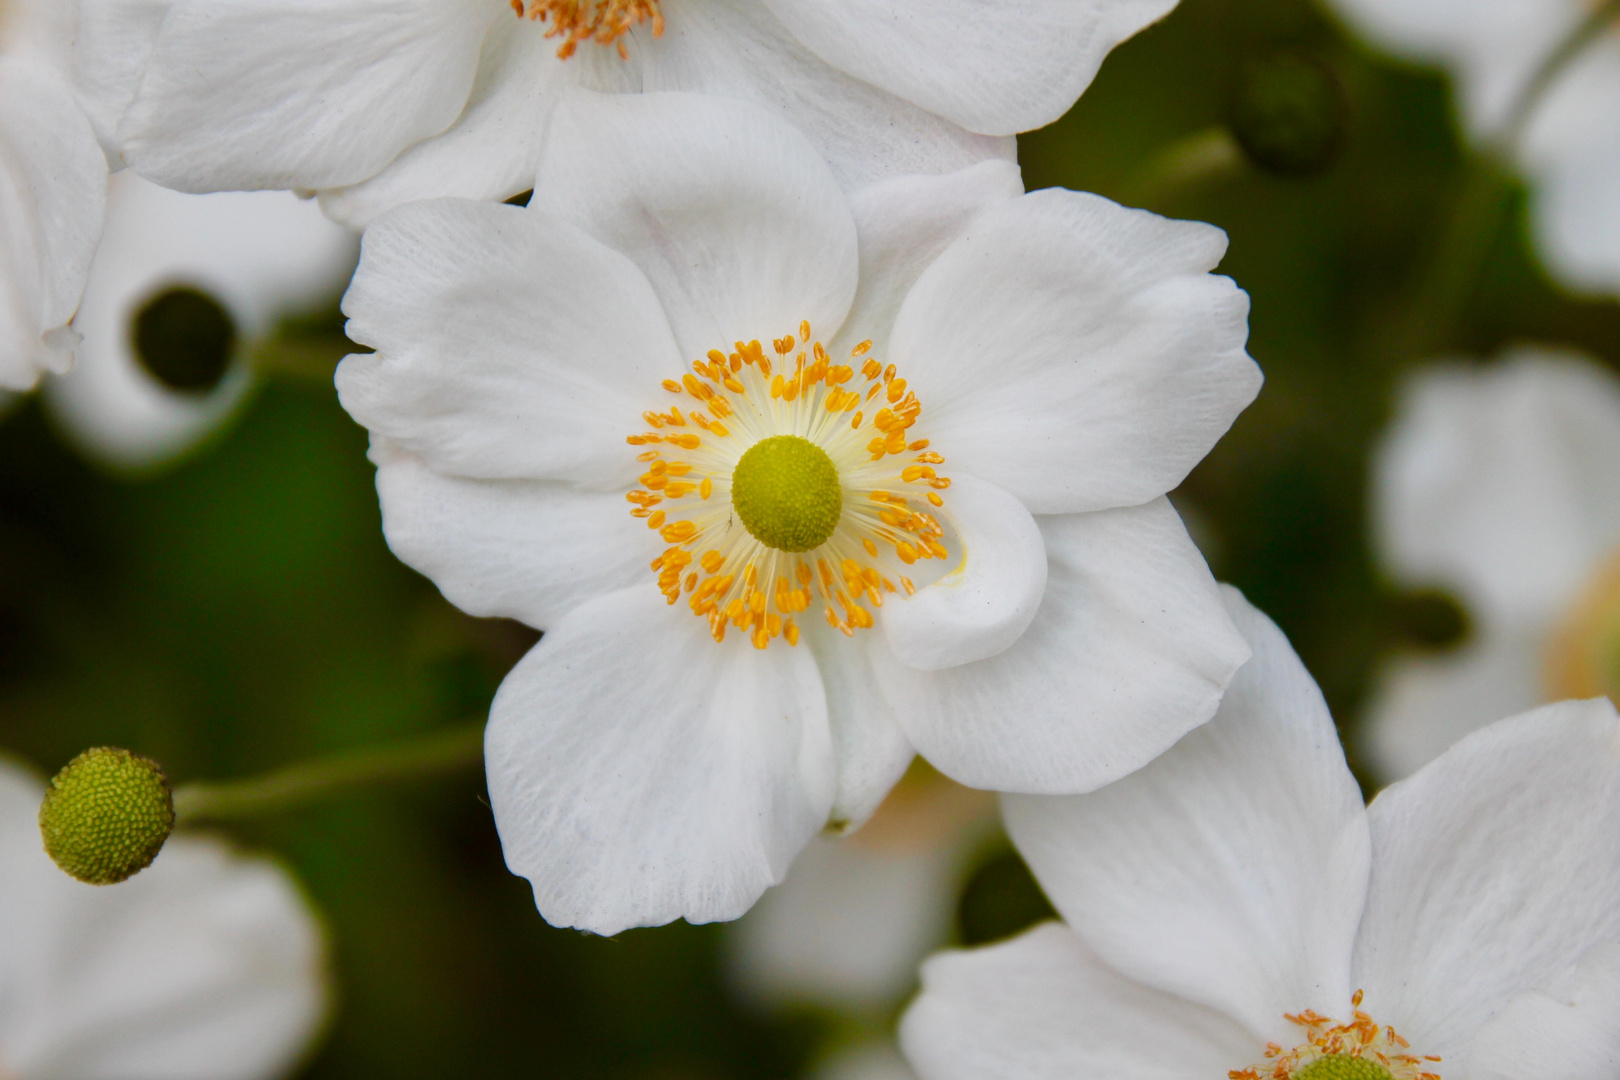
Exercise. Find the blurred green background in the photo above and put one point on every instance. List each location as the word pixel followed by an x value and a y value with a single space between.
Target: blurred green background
pixel 241 610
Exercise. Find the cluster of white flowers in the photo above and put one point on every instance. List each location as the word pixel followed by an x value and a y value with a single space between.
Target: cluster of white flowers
pixel 719 341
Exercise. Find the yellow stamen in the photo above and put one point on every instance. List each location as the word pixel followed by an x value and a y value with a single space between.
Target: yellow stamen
pixel 1358 1049
pixel 602 21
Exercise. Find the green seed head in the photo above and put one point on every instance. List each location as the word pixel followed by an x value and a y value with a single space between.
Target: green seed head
pixel 1343 1067
pixel 106 815
pixel 785 489
pixel 1288 112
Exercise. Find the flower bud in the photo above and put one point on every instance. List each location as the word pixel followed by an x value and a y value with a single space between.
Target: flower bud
pixel 1288 112
pixel 185 338
pixel 106 815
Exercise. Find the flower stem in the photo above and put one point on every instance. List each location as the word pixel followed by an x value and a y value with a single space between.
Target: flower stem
pixel 1480 207
pixel 1183 166
pixel 291 786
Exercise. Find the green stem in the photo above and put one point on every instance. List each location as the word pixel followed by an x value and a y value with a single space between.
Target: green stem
pixel 1553 66
pixel 448 750
pixel 1184 165
pixel 1481 204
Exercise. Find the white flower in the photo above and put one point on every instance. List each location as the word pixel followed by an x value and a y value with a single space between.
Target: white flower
pixel 207 966
pixel 255 256
pixel 53 191
pixel 857 914
pixel 1066 357
pixel 1499 484
pixel 1571 146
pixel 1234 910
pixel 379 102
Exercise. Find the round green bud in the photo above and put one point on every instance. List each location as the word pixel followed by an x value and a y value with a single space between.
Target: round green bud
pixel 106 815
pixel 786 491
pixel 1343 1067
pixel 1288 112
pixel 185 338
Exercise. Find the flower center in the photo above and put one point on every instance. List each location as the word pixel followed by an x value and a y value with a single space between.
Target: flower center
pixel 602 21
pixel 1359 1050
pixel 785 490
pixel 789 490
pixel 1583 656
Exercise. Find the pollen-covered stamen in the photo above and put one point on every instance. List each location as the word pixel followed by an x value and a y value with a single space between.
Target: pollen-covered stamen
pixel 602 21
pixel 1359 1050
pixel 782 488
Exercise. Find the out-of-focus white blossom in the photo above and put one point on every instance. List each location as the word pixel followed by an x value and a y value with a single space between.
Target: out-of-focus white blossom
pixel 53 191
pixel 1499 484
pixel 1571 145
pixel 207 966
pixel 259 255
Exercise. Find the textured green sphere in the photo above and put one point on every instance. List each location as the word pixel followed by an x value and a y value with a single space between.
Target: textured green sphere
pixel 1343 1067
pixel 785 489
pixel 106 815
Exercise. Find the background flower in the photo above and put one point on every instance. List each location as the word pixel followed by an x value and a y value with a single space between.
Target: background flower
pixel 1497 483
pixel 1227 906
pixel 52 191
pixel 249 257
pixel 378 102
pixel 208 966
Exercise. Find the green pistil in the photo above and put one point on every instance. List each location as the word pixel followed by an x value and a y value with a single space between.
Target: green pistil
pixel 106 815
pixel 1343 1067
pixel 786 491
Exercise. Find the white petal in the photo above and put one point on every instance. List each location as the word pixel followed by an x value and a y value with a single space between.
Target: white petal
pixel 1247 838
pixel 1043 1007
pixel 261 255
pixel 738 49
pixel 1495 869
pixel 522 549
pixel 1077 353
pixel 1573 1034
pixel 509 344
pixel 1420 705
pixel 1499 482
pixel 493 149
pixel 206 966
pixel 998 68
pixel 1130 650
pixel 871 747
pixel 849 925
pixel 298 93
pixel 53 194
pixel 112 41
pixel 904 224
pixel 641 773
pixel 989 599
pixel 732 216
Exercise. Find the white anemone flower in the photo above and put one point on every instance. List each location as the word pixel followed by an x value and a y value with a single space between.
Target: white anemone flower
pixel 1570 146
pixel 207 966
pixel 1234 910
pixel 53 191
pixel 379 102
pixel 248 257
pixel 1498 483
pixel 577 425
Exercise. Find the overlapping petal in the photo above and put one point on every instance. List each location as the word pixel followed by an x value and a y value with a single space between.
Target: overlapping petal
pixel 640 774
pixel 1495 870
pixel 731 214
pixel 1077 353
pixel 509 343
pixel 1044 1007
pixel 298 93
pixel 1130 649
pixel 999 68
pixel 531 550
pixel 871 748
pixel 1248 838
pixel 1573 1034
pixel 988 599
